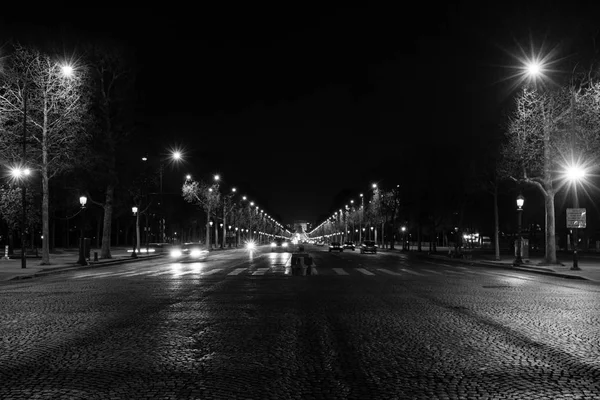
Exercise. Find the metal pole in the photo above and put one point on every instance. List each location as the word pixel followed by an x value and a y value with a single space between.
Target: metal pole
pixel 575 266
pixel 24 189
pixel 82 260
pixel 162 206
pixel 518 260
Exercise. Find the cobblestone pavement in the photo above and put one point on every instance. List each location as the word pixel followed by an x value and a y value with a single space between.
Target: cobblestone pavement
pixel 373 326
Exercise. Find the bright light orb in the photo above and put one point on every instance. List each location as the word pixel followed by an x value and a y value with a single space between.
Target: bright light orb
pixel 575 173
pixel 534 69
pixel 176 155
pixel 67 70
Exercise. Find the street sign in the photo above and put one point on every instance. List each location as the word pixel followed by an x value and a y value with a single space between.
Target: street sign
pixel 576 218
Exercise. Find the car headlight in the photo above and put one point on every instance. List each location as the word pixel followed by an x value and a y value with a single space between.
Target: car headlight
pixel 273 244
pixel 176 253
pixel 284 245
pixel 197 253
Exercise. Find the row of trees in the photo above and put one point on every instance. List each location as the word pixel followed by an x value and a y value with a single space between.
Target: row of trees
pixel 229 209
pixel 66 121
pixel 549 132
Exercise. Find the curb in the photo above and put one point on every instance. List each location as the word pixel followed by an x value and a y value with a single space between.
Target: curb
pixel 96 264
pixel 541 270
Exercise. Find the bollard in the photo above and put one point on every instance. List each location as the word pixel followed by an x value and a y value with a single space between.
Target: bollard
pixel 95 256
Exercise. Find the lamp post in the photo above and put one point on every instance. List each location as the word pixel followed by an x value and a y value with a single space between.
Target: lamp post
pixel 520 201
pixel 360 217
pixel 20 174
pixel 82 260
pixel 134 210
pixel 403 229
pixel 576 174
pixel 175 156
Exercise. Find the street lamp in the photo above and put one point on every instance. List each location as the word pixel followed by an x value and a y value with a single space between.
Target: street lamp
pixel 362 206
pixel 20 174
pixel 134 210
pixel 403 229
pixel 576 174
pixel 520 201
pixel 174 156
pixel 82 260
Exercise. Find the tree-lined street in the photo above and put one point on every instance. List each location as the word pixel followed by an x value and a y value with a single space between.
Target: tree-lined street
pixel 239 326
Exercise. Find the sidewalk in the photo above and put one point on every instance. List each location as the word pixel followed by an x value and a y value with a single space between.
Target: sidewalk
pixel 66 260
pixel 589 264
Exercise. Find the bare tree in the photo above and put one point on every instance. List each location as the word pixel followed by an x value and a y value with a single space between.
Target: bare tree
pixel 50 95
pixel 112 83
pixel 204 195
pixel 548 132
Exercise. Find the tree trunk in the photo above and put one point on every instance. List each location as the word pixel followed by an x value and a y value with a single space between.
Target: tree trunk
pixel 208 229
pixel 137 232
pixel 393 233
pixel 45 207
pixel 550 257
pixel 224 228
pixel 496 224
pixel 107 224
pixel 419 247
pixel 216 234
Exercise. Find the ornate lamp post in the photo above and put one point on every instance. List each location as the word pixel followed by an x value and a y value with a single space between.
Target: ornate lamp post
pixel 82 260
pixel 134 210
pixel 520 201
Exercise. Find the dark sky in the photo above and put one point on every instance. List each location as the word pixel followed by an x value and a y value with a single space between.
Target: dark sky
pixel 300 104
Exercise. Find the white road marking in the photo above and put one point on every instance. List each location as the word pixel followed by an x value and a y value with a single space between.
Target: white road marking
pixel 412 272
pixel 237 271
pixel 212 271
pixel 432 271
pixel 260 271
pixel 364 271
pixel 340 271
pixel 387 271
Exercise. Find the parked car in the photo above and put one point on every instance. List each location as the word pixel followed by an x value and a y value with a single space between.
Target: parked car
pixel 320 243
pixel 189 252
pixel 368 246
pixel 349 245
pixel 280 245
pixel 336 246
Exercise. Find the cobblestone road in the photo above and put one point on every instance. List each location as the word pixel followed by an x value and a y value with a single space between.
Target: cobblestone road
pixel 420 330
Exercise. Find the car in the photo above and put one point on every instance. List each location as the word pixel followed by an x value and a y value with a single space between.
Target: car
pixel 191 251
pixel 368 246
pixel 280 245
pixel 349 245
pixel 337 246
pixel 320 243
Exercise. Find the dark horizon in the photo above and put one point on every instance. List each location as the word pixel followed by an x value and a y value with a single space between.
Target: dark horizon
pixel 300 107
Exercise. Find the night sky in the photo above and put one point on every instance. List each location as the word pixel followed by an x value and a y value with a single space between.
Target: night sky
pixel 305 107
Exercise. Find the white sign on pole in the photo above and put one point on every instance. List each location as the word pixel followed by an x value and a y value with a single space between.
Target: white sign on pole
pixel 576 218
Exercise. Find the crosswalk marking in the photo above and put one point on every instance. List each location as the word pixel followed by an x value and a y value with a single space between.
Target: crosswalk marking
pixel 432 271
pixel 412 272
pixel 387 271
pixel 212 271
pixel 196 271
pixel 260 271
pixel 364 271
pixel 340 271
pixel 237 271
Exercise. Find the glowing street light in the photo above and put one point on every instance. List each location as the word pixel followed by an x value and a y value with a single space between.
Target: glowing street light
pixel 520 201
pixel 575 174
pixel 67 70
pixel 82 260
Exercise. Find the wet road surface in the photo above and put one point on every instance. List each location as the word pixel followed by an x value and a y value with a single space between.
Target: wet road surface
pixel 241 326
